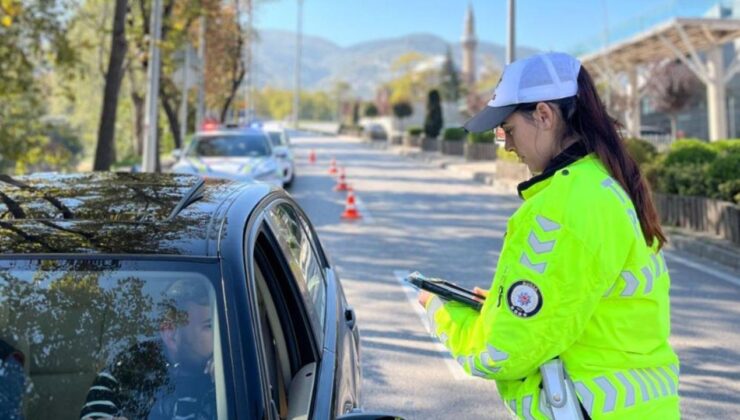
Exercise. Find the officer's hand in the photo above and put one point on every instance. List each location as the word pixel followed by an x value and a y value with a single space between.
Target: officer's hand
pixel 479 291
pixel 424 297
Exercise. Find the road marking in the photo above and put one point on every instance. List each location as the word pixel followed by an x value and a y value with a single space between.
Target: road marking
pixel 455 369
pixel 704 269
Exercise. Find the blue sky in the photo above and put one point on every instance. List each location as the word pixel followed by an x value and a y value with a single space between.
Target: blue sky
pixel 568 25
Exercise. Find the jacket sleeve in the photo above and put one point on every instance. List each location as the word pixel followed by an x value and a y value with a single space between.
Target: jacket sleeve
pixel 547 285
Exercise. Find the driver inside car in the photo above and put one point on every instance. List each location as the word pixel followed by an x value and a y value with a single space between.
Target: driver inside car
pixel 164 378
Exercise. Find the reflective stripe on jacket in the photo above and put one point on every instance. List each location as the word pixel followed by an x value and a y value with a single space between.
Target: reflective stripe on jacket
pixel 575 280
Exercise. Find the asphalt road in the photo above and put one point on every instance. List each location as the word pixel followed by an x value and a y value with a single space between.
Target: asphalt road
pixel 416 216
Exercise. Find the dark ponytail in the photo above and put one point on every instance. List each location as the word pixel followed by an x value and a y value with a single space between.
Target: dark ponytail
pixel 595 128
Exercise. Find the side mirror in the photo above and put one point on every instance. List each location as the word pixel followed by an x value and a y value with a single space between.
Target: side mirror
pixel 369 416
pixel 176 154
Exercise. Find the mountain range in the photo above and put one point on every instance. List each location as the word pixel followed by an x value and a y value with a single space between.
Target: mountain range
pixel 364 66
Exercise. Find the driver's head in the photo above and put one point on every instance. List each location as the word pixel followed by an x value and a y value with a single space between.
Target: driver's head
pixel 187 327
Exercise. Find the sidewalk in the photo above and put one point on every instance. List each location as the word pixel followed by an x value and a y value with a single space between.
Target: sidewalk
pixel 701 245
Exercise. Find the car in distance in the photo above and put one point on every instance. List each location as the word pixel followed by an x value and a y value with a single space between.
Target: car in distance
pixel 283 152
pixel 237 154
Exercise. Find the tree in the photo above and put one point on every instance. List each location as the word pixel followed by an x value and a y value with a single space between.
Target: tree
pixel 433 120
pixel 401 110
pixel 33 42
pixel 450 86
pixel 672 87
pixel 105 151
pixel 371 110
pixel 224 65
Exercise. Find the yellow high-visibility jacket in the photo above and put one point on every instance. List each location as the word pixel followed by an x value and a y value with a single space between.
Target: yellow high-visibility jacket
pixel 575 280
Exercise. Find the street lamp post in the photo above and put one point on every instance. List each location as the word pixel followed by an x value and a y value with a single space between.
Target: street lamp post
pixel 149 158
pixel 511 41
pixel 297 92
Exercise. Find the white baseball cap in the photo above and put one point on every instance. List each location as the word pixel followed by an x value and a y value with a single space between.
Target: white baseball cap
pixel 542 77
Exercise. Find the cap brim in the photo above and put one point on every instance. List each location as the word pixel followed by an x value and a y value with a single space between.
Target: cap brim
pixel 489 118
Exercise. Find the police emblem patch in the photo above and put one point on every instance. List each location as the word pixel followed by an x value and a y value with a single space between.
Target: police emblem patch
pixel 524 299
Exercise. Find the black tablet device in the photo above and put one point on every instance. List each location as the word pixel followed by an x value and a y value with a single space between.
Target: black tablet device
pixel 446 290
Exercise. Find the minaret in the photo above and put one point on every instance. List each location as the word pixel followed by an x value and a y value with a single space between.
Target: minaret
pixel 469 42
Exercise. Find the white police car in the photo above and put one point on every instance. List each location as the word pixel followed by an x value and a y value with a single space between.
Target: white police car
pixel 283 152
pixel 238 154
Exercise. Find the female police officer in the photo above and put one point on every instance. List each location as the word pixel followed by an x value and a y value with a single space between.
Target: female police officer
pixel 581 281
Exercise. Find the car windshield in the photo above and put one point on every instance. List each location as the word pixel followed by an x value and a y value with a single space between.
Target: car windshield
pixel 93 338
pixel 277 138
pixel 232 145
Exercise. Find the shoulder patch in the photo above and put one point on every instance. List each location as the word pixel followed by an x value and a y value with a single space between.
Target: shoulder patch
pixel 524 299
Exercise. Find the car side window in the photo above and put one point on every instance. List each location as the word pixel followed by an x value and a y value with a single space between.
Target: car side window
pixel 301 257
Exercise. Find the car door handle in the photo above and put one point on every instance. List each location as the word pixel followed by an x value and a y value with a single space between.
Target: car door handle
pixel 349 317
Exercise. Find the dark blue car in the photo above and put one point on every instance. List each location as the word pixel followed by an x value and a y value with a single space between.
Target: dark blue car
pixel 164 296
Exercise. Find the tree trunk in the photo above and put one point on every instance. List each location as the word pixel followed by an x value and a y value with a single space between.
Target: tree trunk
pixel 139 107
pixel 172 118
pixel 674 126
pixel 105 152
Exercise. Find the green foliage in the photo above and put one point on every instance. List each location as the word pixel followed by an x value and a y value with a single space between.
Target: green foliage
pixel 454 134
pixel 731 146
pixel 450 85
pixel 433 118
pixel 687 152
pixel 29 143
pixel 730 189
pixel 484 137
pixel 414 130
pixel 371 110
pixel 402 109
pixel 695 168
pixel 641 151
pixel 724 169
pixel 689 179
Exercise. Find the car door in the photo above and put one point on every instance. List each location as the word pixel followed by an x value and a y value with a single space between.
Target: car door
pixel 341 369
pixel 296 315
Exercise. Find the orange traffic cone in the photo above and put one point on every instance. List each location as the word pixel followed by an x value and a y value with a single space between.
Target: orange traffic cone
pixel 341 182
pixel 312 157
pixel 333 166
pixel 350 210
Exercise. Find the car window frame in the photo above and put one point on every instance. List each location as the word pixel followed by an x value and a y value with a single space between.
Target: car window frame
pixel 318 326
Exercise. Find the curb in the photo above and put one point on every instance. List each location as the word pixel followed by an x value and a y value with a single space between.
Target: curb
pixel 710 249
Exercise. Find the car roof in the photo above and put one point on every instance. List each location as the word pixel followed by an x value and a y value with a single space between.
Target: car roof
pixel 117 213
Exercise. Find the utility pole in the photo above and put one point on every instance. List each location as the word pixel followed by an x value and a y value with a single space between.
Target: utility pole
pixel 608 96
pixel 184 99
pixel 149 159
pixel 511 41
pixel 201 108
pixel 297 92
pixel 248 62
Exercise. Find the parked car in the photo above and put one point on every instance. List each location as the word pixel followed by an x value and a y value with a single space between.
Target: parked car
pixel 284 153
pixel 88 264
pixel 374 132
pixel 238 154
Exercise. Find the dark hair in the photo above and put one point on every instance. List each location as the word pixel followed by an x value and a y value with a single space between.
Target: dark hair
pixel 592 125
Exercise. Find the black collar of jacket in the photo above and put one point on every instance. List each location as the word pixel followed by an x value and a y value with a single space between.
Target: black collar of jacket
pixel 571 154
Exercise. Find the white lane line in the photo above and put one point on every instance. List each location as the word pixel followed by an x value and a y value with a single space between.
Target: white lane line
pixel 704 269
pixel 455 369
